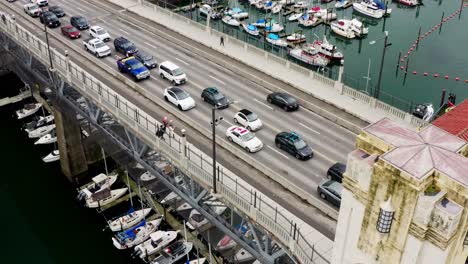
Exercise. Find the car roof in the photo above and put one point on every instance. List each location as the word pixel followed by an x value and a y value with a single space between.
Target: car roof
pixel 122 39
pixel 336 186
pixel 245 112
pixel 69 27
pixel 170 65
pixel 293 136
pixel 338 167
pixel 76 17
pixel 176 89
pixel 130 60
pixel 211 90
pixel 55 7
pixel 240 130
pixel 96 27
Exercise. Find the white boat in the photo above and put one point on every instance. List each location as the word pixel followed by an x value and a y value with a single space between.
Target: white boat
pixel 183 207
pixel 198 261
pixel 410 3
pixel 296 38
pixel 158 240
pixel 370 8
pixel 276 40
pixel 104 197
pixel 260 23
pixel 128 220
pixel 251 29
pixel 309 55
pixel 47 139
pixel 327 50
pixel 340 4
pixel 314 10
pixel 173 253
pixel 301 4
pixel 273 27
pixel 147 176
pixel 268 6
pixel 325 15
pixel 206 10
pixel 41 131
pixel 253 2
pixel 101 182
pixel 307 20
pixel 197 220
pixel 135 235
pixel 172 197
pixel 342 27
pixel 28 109
pixel 286 2
pixel 243 255
pixel 230 21
pixel 227 242
pixel 236 13
pixel 294 17
pixel 260 4
pixel 37 122
pixel 358 28
pixel 51 157
pixel 277 8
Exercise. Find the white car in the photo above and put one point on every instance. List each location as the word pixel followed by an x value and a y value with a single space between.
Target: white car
pixel 172 72
pixel 99 33
pixel 40 3
pixel 244 138
pixel 179 97
pixel 32 9
pixel 248 119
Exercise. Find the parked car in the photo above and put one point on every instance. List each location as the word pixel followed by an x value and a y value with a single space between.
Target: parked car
pixel 330 190
pixel 50 19
pixel 335 172
pixel 125 46
pixel 148 60
pixel 32 9
pixel 172 72
pixel 215 98
pixel 244 138
pixel 292 143
pixel 99 33
pixel 283 100
pixel 79 22
pixel 70 31
pixel 57 10
pixel 179 97
pixel 248 119
pixel 133 67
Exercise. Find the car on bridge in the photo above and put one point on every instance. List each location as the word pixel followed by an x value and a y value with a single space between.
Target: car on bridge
pixel 172 72
pixel 148 60
pixel 335 172
pixel 283 100
pixel 292 143
pixel 97 47
pixel 79 22
pixel 32 10
pixel 244 138
pixel 70 31
pixel 125 46
pixel 248 119
pixel 50 19
pixel 57 10
pixel 133 67
pixel 99 33
pixel 330 190
pixel 179 97
pixel 40 3
pixel 215 98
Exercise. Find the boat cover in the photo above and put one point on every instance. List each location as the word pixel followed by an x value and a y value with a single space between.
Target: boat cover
pixel 260 21
pixel 129 234
pixel 251 27
pixel 99 178
pixel 379 4
pixel 273 36
pixel 269 3
pixel 236 10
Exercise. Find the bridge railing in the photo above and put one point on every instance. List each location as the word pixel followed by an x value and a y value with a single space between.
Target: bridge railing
pixel 289 230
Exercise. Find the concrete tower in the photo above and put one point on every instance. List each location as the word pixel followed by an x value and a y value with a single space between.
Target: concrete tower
pixel 405 198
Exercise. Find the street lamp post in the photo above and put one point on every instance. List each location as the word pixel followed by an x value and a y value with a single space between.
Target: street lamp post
pixel 386 45
pixel 214 122
pixel 47 37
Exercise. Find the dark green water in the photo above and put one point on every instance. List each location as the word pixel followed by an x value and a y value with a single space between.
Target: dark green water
pixel 41 220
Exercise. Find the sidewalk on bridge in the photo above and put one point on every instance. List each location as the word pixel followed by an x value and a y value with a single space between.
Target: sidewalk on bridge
pixel 256 58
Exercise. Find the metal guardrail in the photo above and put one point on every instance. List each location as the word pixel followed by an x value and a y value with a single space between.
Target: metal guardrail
pixel 276 219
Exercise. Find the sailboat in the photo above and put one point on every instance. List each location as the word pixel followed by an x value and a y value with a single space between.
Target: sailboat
pixel 135 235
pixel 101 198
pixel 101 182
pixel 28 109
pixel 37 122
pixel 173 253
pixel 41 131
pixel 47 139
pixel 129 219
pixel 158 240
pixel 51 157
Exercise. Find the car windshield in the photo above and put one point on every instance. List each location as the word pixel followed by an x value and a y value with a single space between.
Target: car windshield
pixel 136 65
pixel 127 45
pixel 181 94
pixel 56 9
pixel 100 31
pixel 81 20
pixel 218 96
pixel 336 187
pixel 300 144
pixel 178 72
pixel 247 137
pixel 252 117
pixel 290 100
pixel 100 44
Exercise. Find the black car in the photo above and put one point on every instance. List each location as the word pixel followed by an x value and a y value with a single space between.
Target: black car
pixel 330 190
pixel 335 172
pixel 57 10
pixel 148 60
pixel 50 19
pixel 292 143
pixel 125 46
pixel 79 22
pixel 212 96
pixel 283 100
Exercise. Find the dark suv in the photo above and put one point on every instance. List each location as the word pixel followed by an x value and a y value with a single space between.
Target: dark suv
pixel 50 19
pixel 125 46
pixel 79 22
pixel 335 172
pixel 292 143
pixel 212 96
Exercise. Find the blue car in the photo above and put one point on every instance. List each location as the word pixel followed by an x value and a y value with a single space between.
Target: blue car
pixel 125 46
pixel 133 67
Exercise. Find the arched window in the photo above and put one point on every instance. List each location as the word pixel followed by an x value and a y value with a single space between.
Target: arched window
pixel 385 220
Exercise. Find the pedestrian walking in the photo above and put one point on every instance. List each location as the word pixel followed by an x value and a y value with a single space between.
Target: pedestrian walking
pixel 221 41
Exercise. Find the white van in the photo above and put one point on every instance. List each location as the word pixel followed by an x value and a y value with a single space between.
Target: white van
pixel 172 72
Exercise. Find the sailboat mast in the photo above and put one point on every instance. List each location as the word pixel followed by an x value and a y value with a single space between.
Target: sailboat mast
pixel 104 158
pixel 129 190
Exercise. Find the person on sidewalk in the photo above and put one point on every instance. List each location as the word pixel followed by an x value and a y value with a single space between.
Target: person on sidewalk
pixel 221 41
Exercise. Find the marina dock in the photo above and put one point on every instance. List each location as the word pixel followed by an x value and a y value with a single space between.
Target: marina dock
pixel 10 100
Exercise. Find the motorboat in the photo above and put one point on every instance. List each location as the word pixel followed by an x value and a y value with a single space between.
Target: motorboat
pixel 51 157
pixel 309 55
pixel 296 38
pixel 358 28
pixel 101 198
pixel 172 197
pixel 286 2
pixel 197 220
pixel 410 3
pixel 136 235
pixel 37 122
pixel 276 40
pixel 184 207
pixel 342 27
pixel 243 255
pixel 341 4
pixel 28 109
pixel 128 220
pixel 147 176
pixel 307 20
pixel 327 50
pixel 227 242
pixel 259 4
pixel 47 139
pixel 371 9
pixel 236 13
pixel 41 131
pixel 207 10
pixel 424 111
pixel 294 17
pixel 314 10
pixel 277 8
pixel 300 4
pixel 198 261
pixel 158 240
pixel 251 29
pixel 230 21
pixel 101 182
pixel 173 253
pixel 268 6
pixel 260 23
pixel 274 27
pixel 325 15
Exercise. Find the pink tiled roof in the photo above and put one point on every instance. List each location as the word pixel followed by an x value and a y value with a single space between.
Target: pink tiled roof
pixel 455 121
pixel 418 153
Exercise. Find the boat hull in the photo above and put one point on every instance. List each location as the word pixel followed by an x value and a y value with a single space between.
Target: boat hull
pixel 126 222
pixel 23 113
pixel 41 131
pixel 115 194
pixel 142 235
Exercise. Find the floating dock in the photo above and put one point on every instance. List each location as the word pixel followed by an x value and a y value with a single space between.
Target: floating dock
pixel 14 99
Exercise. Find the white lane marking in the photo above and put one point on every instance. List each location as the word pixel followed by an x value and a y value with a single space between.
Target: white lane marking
pixel 81 9
pixel 315 131
pixel 263 103
pixel 231 124
pixel 196 84
pixel 151 45
pixel 186 63
pixel 278 152
pixel 123 31
pixel 216 79
pixel 154 78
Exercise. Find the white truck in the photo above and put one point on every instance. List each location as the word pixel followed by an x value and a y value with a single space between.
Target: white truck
pixel 32 10
pixel 97 47
pixel 99 33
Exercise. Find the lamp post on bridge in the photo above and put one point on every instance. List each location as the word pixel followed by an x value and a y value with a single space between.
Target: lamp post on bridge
pixel 214 122
pixel 386 45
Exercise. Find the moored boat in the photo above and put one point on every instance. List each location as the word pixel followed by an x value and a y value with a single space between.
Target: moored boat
pixel 173 253
pixel 135 235
pixel 51 157
pixel 37 122
pixel 251 29
pixel 273 27
pixel 158 240
pixel 230 21
pixel 294 17
pixel 243 255
pixel 277 8
pixel 47 139
pixel 309 55
pixel 296 38
pixel 101 182
pixel 128 220
pixel 276 40
pixel 41 131
pixel 340 4
pixel 327 50
pixel 307 20
pixel 101 198
pixel 370 8
pixel 236 13
pixel 410 3
pixel 28 109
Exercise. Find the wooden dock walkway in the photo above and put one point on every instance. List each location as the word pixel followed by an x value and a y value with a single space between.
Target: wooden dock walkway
pixel 14 99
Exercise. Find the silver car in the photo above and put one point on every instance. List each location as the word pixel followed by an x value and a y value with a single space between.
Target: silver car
pixel 330 190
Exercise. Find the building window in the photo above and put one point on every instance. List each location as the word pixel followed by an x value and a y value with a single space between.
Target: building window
pixel 385 220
